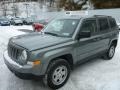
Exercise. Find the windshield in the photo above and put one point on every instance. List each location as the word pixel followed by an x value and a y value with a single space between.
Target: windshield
pixel 17 19
pixel 3 20
pixel 62 27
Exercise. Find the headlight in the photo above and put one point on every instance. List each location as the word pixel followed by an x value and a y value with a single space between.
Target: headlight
pixel 23 55
pixel 2 22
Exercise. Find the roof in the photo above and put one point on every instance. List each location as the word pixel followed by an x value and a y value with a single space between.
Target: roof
pixel 82 16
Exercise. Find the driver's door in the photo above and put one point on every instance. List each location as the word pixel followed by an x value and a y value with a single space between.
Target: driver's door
pixel 88 46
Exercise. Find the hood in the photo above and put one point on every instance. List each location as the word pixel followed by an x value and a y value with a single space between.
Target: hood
pixel 38 41
pixel 4 21
pixel 18 21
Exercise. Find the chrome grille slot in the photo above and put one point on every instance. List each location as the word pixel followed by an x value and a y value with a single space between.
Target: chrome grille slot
pixel 14 51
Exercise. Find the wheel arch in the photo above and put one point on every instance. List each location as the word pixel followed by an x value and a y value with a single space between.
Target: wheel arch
pixel 115 41
pixel 67 57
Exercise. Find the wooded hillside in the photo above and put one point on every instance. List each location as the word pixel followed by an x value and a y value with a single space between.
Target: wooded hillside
pixel 99 4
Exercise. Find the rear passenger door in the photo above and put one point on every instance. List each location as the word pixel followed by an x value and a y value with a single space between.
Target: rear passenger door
pixel 104 32
pixel 114 31
pixel 92 45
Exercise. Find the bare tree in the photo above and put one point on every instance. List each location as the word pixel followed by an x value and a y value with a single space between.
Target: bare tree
pixel 4 8
pixel 41 2
pixel 51 2
pixel 15 10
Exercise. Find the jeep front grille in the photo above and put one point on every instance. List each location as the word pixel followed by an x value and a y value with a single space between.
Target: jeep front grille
pixel 14 52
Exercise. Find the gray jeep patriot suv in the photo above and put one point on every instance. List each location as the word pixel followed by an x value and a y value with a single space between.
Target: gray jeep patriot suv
pixel 63 43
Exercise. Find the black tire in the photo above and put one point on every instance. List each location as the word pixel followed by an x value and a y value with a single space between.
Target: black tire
pixel 25 23
pixel 48 79
pixel 107 55
pixel 34 30
pixel 14 24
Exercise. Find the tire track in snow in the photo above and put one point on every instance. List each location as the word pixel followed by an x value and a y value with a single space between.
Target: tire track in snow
pixel 69 86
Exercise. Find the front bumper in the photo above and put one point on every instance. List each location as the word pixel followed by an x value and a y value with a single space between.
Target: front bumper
pixel 25 69
pixel 5 24
pixel 17 23
pixel 29 23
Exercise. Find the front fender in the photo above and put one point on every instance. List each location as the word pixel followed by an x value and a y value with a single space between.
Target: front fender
pixel 49 56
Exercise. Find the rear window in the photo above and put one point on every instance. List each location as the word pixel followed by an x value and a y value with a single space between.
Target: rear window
pixel 112 23
pixel 103 23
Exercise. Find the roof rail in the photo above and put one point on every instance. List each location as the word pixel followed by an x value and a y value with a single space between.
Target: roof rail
pixel 101 16
pixel 76 13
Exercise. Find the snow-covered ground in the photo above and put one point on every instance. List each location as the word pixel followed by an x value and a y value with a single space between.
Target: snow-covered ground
pixel 96 74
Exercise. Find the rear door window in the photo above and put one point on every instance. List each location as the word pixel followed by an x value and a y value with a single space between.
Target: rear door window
pixel 89 25
pixel 103 23
pixel 112 23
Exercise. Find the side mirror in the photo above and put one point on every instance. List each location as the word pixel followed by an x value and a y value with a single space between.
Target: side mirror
pixel 85 34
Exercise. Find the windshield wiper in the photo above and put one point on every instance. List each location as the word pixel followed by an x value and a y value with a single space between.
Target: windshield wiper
pixel 51 33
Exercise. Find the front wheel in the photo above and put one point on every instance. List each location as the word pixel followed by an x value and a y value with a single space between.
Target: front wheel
pixel 57 74
pixel 110 53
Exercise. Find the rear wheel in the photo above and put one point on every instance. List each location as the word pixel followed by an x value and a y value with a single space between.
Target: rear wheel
pixel 110 53
pixel 57 74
